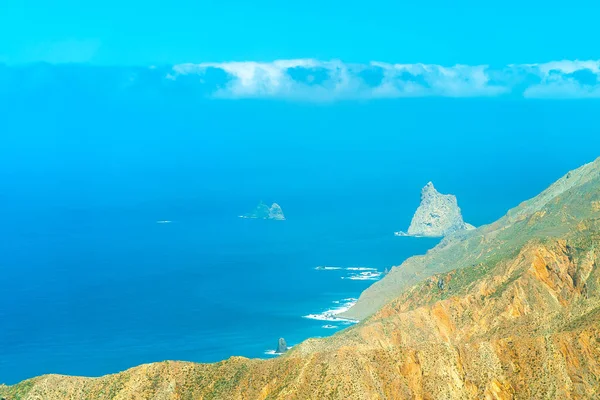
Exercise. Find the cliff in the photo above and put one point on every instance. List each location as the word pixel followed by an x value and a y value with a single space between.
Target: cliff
pixel 508 311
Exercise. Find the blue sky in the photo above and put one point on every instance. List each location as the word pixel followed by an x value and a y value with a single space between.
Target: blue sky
pixel 146 32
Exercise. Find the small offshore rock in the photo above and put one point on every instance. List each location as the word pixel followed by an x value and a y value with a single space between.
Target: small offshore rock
pixel 275 212
pixel 441 284
pixel 262 211
pixel 282 346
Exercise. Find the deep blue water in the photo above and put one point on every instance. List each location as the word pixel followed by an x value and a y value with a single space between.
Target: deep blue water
pixel 91 284
pixel 99 290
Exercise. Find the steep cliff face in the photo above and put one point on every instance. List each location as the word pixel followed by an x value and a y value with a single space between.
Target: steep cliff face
pixel 517 317
pixel 438 215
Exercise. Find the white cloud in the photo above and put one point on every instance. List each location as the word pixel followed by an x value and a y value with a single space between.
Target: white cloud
pixel 325 81
pixel 557 80
pixel 253 79
pixel 341 81
pixel 435 80
pixel 568 67
pixel 260 79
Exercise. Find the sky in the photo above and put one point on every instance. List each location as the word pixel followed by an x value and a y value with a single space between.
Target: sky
pixel 149 32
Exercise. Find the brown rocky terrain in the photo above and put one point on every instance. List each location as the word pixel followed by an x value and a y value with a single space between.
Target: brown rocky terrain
pixel 508 311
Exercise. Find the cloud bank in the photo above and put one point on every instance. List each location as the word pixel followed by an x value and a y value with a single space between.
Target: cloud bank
pixel 308 80
pixel 314 80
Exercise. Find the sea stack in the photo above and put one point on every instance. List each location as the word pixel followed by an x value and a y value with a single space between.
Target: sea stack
pixel 438 215
pixel 281 346
pixel 275 212
pixel 262 211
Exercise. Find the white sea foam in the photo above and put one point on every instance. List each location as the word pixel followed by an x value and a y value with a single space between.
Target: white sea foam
pixel 353 270
pixel 364 276
pixel 327 268
pixel 275 353
pixel 331 315
pixel 326 316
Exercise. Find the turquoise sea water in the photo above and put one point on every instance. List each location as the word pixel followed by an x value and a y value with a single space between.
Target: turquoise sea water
pixel 91 284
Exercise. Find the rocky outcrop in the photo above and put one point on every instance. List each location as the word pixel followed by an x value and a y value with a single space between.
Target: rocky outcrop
pixel 511 311
pixel 275 212
pixel 262 211
pixel 438 215
pixel 281 346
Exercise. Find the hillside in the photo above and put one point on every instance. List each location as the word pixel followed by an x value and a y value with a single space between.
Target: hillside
pixel 510 310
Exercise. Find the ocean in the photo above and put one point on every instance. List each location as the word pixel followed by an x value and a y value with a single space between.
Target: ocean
pixel 95 291
pixel 91 284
